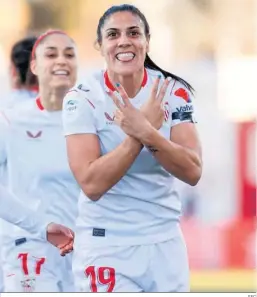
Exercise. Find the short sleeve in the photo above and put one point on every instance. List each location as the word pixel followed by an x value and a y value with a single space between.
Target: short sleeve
pixel 4 125
pixel 78 114
pixel 182 106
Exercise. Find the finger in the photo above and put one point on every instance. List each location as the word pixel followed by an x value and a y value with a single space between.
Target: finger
pixel 67 242
pixel 123 94
pixel 155 87
pixel 66 250
pixel 118 114
pixel 163 89
pixel 115 100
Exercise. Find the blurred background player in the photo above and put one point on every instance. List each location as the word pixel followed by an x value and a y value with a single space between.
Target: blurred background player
pixel 128 235
pixel 23 87
pixel 38 171
pixel 23 83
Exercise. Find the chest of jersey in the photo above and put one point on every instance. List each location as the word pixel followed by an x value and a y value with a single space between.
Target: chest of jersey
pixel 111 135
pixel 37 152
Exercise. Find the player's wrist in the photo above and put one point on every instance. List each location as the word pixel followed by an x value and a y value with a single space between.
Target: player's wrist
pixel 133 144
pixel 147 135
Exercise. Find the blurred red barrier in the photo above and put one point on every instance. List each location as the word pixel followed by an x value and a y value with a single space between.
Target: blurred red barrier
pixel 239 244
pixel 246 173
pixel 230 245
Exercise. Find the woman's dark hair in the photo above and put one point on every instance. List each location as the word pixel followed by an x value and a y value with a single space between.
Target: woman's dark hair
pixel 148 62
pixel 20 58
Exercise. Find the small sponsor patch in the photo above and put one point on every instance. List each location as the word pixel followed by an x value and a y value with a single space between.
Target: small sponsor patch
pixel 98 232
pixel 20 241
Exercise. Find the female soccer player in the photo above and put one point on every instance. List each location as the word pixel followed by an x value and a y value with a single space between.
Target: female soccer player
pixel 23 87
pixel 130 132
pixel 38 170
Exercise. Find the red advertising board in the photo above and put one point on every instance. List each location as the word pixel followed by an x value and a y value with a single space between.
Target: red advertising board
pixel 246 172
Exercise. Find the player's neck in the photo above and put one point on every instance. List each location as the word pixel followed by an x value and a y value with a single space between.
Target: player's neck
pixel 52 100
pixel 131 83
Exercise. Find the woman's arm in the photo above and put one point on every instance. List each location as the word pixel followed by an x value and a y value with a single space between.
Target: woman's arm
pixel 96 174
pixel 13 211
pixel 181 155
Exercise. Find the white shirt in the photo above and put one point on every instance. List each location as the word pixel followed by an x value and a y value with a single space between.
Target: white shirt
pixel 144 206
pixel 32 143
pixel 13 211
pixel 16 97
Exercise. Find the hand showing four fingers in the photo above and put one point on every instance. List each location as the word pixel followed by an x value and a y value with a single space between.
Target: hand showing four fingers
pixel 136 122
pixel 153 108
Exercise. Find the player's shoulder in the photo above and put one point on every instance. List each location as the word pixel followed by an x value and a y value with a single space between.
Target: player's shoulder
pixel 181 92
pixel 176 83
pixel 92 83
pixel 20 111
pixel 89 90
pixel 152 75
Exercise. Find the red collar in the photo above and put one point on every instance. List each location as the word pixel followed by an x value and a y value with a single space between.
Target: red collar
pixel 39 104
pixel 111 86
pixel 34 89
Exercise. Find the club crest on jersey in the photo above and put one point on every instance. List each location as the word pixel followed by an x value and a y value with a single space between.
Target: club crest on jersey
pixel 182 93
pixel 28 284
pixel 166 111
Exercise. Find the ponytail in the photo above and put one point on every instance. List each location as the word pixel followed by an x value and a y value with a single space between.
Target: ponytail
pixel 151 65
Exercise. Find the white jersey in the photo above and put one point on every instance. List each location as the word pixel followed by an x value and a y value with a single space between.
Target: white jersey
pixel 32 143
pixel 16 97
pixel 13 211
pixel 144 206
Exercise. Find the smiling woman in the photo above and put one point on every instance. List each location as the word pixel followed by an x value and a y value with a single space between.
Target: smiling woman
pixel 123 35
pixel 37 166
pixel 125 150
pixel 54 63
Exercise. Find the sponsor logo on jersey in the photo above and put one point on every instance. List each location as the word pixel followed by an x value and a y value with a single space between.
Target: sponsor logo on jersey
pixel 182 93
pixel 186 108
pixel 110 119
pixel 34 135
pixel 82 88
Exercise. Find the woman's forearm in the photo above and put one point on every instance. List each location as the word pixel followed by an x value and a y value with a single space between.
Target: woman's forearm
pixel 184 163
pixel 14 212
pixel 103 173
